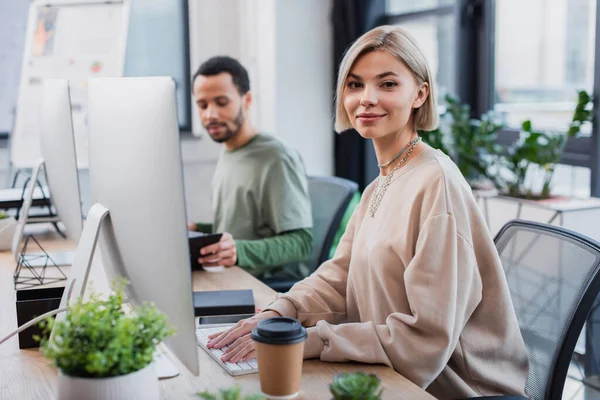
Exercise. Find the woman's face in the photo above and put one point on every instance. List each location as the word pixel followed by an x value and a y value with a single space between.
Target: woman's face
pixel 380 95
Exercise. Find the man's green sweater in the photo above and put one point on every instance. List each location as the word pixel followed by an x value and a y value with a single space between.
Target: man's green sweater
pixel 266 256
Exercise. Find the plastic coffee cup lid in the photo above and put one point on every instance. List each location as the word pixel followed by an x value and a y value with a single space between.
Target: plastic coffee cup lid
pixel 279 330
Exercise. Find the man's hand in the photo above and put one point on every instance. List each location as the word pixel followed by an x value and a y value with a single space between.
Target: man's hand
pixel 242 346
pixel 221 253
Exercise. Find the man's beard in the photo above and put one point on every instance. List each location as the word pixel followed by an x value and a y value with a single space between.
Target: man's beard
pixel 230 133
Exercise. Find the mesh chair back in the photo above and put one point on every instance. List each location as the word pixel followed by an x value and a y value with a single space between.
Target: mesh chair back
pixel 552 275
pixel 329 198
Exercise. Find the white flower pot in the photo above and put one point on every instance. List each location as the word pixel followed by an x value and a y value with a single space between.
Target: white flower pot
pixel 142 384
pixel 7 231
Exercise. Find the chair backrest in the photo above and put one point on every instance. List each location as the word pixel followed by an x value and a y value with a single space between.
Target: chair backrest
pixel 553 278
pixel 329 198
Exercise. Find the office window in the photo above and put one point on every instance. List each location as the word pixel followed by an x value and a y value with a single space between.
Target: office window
pixel 157 46
pixel 544 54
pixel 436 38
pixel 394 7
pixel 433 23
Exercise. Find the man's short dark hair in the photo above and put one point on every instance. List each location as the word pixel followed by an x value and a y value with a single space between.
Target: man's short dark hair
pixel 219 64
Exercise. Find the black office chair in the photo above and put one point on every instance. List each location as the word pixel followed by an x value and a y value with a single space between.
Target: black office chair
pixel 329 198
pixel 553 279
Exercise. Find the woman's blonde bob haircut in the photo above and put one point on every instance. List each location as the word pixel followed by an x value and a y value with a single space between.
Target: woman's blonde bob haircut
pixel 399 43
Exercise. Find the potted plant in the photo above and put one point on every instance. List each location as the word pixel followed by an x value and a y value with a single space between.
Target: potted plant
pixel 469 142
pixel 102 352
pixel 7 230
pixel 540 150
pixel 232 393
pixel 356 386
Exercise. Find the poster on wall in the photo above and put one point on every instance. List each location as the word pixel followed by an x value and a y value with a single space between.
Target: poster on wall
pixel 13 23
pixel 67 40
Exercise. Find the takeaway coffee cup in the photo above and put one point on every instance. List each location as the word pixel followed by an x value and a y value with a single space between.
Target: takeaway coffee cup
pixel 280 350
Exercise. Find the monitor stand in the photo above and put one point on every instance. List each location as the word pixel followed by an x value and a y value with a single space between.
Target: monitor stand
pixel 80 272
pixel 58 258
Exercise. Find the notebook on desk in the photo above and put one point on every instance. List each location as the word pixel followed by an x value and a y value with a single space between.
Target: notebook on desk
pixel 223 303
pixel 198 240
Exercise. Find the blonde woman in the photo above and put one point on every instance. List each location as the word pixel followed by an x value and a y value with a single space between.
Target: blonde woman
pixel 416 282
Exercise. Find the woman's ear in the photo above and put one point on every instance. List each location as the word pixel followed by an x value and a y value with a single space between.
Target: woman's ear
pixel 421 96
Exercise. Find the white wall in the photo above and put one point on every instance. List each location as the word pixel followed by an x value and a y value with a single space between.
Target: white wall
pixel 287 48
pixel 213 31
pixel 304 80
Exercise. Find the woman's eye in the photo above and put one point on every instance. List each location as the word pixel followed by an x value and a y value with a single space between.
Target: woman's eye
pixel 389 84
pixel 353 85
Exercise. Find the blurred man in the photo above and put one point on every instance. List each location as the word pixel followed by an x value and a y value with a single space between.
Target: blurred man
pixel 259 191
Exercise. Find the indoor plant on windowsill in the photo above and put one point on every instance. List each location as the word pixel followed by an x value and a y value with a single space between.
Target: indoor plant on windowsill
pixel 7 230
pixel 537 150
pixel 469 142
pixel 102 352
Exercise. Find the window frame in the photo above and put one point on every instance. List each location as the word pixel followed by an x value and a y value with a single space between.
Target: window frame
pixel 578 150
pixel 478 21
pixel 475 57
pixel 443 10
pixel 187 126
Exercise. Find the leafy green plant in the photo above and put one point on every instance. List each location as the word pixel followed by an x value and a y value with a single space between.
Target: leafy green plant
pixel 4 215
pixel 541 150
pixel 356 386
pixel 470 142
pixel 97 339
pixel 232 393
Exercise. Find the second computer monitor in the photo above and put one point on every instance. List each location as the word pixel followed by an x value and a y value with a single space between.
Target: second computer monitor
pixel 60 165
pixel 135 172
pixel 58 151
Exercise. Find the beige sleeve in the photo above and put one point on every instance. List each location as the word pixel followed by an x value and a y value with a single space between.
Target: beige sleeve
pixel 321 296
pixel 443 287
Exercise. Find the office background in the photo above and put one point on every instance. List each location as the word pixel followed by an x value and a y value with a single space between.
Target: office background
pixel 524 59
pixel 520 59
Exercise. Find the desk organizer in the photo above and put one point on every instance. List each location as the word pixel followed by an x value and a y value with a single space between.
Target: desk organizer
pixel 27 276
pixel 32 303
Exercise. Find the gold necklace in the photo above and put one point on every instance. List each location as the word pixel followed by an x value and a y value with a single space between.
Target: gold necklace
pixel 378 192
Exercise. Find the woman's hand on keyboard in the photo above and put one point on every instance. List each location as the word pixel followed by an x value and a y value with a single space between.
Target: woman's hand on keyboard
pixel 241 346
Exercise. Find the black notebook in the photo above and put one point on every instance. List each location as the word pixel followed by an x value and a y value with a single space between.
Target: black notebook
pixel 223 302
pixel 198 240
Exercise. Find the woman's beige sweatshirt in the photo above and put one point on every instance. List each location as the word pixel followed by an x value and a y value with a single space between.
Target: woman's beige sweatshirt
pixel 418 287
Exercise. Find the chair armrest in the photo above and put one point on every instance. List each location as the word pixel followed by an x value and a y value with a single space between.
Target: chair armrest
pixel 281 286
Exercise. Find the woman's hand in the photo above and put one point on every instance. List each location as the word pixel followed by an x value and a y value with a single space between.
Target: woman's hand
pixel 238 336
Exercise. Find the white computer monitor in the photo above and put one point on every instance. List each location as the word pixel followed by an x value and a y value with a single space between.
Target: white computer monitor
pixel 136 175
pixel 59 162
pixel 57 145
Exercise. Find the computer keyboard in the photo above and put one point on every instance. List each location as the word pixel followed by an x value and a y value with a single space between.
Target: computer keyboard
pixel 240 368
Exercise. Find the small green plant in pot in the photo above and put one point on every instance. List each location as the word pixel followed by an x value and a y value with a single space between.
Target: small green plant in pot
pixel 469 142
pixel 356 386
pixel 100 349
pixel 541 150
pixel 232 393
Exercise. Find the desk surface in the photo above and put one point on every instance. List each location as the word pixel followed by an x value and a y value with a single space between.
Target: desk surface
pixel 25 374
